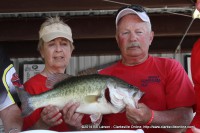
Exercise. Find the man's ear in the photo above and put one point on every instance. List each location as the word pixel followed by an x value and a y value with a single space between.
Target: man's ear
pixel 151 37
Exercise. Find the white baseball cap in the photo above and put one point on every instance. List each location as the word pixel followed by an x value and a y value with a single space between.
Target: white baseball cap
pixel 55 30
pixel 133 9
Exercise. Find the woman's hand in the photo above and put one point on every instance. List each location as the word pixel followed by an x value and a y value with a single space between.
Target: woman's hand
pixel 51 116
pixel 71 117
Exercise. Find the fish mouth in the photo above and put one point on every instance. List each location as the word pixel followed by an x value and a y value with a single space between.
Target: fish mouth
pixel 107 95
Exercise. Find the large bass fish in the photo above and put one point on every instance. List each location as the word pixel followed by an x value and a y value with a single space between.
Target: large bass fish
pixel 97 94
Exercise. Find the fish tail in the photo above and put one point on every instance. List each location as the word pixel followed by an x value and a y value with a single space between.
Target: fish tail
pixel 26 105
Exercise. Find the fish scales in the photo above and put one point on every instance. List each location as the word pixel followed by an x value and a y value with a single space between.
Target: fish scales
pixel 75 86
pixel 74 89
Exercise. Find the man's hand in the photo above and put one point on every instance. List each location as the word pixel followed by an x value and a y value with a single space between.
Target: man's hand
pixel 140 115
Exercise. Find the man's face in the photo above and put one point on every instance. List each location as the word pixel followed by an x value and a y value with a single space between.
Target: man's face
pixel 134 36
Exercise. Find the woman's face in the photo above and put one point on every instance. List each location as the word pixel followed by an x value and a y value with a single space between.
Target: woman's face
pixel 56 53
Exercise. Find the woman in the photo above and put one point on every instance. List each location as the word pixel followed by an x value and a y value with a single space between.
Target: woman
pixel 55 46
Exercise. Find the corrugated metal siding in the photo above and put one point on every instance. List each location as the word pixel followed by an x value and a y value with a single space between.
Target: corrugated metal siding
pixel 80 63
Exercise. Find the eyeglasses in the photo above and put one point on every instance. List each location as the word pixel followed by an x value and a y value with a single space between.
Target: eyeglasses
pixel 137 8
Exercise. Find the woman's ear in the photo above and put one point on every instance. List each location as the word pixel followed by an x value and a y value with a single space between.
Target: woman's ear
pixel 41 53
pixel 117 39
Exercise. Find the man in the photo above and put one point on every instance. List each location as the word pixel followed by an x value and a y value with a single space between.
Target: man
pixel 9 111
pixel 169 95
pixel 195 67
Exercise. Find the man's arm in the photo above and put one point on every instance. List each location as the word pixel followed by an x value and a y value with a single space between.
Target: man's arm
pixel 11 118
pixel 175 117
pixel 181 116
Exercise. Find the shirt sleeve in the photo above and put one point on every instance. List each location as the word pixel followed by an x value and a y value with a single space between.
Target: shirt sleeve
pixel 7 90
pixel 30 120
pixel 6 71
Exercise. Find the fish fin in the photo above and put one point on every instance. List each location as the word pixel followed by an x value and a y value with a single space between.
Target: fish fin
pixel 88 71
pixel 96 119
pixel 24 97
pixel 91 98
pixel 52 79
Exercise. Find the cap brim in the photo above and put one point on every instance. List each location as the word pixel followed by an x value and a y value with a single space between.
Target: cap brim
pixel 55 30
pixel 51 36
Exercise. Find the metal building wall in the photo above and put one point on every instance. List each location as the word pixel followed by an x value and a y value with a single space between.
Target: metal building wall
pixel 80 63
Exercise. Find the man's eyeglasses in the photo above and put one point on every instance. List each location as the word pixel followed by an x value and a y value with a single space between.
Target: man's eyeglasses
pixel 137 8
